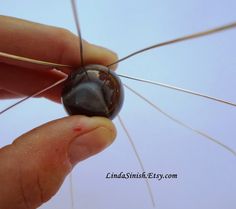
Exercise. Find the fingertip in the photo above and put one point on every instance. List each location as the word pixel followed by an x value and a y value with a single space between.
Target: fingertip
pixel 91 135
pixel 89 144
pixel 100 55
pixel 103 122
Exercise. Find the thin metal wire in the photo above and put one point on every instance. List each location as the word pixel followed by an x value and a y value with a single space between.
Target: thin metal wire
pixel 181 39
pixel 72 202
pixel 131 141
pixel 204 135
pixel 34 95
pixel 59 66
pixel 76 19
pixel 179 89
pixel 33 61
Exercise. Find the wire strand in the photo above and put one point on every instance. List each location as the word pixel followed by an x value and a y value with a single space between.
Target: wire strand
pixel 33 61
pixel 76 19
pixel 204 135
pixel 33 95
pixel 179 89
pixel 131 141
pixel 181 39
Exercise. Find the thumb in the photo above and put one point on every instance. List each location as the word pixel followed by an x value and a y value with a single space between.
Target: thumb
pixel 35 165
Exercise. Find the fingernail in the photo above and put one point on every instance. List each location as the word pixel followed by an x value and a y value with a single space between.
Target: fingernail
pixel 98 47
pixel 107 56
pixel 89 144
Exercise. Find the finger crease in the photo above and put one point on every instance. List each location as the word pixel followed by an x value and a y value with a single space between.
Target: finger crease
pixel 40 189
pixel 23 191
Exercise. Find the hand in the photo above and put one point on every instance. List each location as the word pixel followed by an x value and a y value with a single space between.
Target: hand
pixel 36 41
pixel 34 166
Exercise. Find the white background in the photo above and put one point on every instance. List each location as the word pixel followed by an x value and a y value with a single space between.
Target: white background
pixel 206 172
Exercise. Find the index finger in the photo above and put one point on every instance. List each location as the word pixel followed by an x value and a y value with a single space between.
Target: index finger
pixel 47 43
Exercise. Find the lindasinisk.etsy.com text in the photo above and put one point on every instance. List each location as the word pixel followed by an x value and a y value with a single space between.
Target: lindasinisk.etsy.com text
pixel 141 175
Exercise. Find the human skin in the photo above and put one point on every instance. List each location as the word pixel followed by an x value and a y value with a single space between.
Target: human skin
pixel 34 166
